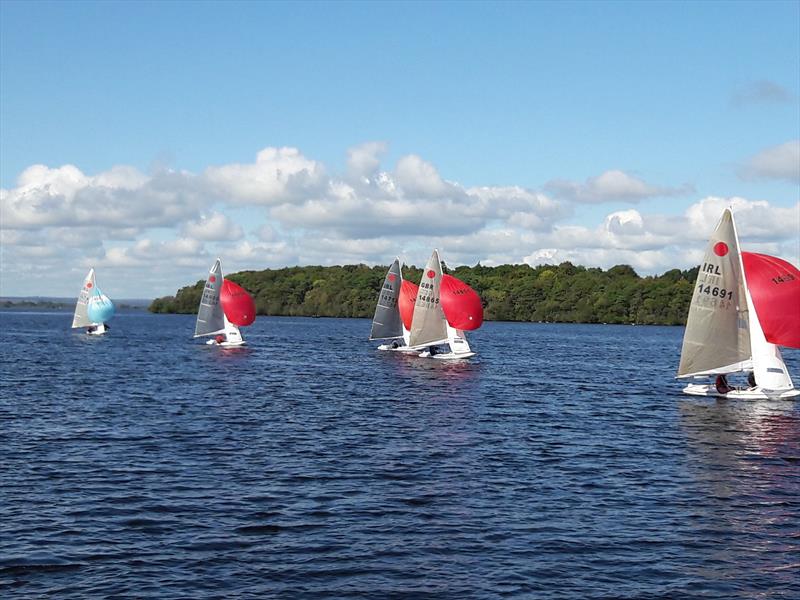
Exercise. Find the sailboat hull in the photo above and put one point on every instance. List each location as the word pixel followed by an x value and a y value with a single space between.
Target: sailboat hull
pixel 227 343
pixel 447 355
pixel 696 389
pixel 391 348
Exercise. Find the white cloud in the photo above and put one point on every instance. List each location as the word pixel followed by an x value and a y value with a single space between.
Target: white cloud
pixel 278 175
pixel 153 254
pixel 150 234
pixel 611 186
pixel 363 161
pixel 776 162
pixel 213 227
pixel 419 178
pixel 119 198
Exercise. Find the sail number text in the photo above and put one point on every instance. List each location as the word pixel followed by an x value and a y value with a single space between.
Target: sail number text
pixel 783 278
pixel 427 295
pixel 717 292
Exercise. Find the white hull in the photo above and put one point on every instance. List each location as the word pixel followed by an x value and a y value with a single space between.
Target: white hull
pixel 757 393
pixel 98 330
pixel 391 348
pixel 399 344
pixel 226 344
pixel 446 355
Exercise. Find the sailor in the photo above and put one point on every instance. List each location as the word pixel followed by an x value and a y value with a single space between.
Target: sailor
pixel 219 339
pixel 721 384
pixel 751 379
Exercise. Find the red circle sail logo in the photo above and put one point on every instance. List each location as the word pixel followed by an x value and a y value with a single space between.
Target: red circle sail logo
pixel 392 277
pixel 720 248
pixel 431 274
pixel 212 279
pixel 89 285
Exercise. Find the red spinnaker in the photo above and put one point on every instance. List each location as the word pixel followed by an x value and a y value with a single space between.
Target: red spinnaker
pixel 408 296
pixel 461 304
pixel 237 304
pixel 774 285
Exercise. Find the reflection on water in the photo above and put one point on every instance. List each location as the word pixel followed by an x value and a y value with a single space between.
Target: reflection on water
pixel 746 456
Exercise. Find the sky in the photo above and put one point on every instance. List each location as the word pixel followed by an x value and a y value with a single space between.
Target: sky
pixel 147 139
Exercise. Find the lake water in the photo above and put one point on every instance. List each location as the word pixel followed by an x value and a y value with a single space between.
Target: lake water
pixel 561 462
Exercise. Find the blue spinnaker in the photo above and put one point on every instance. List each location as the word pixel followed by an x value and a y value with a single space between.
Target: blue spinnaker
pixel 100 308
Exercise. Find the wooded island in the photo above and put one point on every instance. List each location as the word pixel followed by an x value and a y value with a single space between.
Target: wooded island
pixel 562 293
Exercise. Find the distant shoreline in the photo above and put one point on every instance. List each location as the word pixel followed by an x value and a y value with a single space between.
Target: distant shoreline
pixel 563 293
pixel 55 305
pixel 68 308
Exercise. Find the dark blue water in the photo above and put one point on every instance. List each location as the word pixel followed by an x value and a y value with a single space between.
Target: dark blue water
pixel 562 462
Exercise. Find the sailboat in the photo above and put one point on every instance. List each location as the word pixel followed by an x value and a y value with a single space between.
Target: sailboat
pixel 93 308
pixel 744 306
pixel 388 324
pixel 224 307
pixel 445 307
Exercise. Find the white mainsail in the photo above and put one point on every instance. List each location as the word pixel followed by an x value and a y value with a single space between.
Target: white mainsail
pixel 210 317
pixel 717 338
pixel 81 317
pixel 428 325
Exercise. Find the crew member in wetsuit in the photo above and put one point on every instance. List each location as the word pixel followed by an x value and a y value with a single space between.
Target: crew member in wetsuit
pixel 751 379
pixel 721 384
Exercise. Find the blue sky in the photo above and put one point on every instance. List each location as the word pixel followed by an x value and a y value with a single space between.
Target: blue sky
pixel 683 103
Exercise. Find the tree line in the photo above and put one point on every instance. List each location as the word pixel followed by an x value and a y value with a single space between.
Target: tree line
pixel 563 293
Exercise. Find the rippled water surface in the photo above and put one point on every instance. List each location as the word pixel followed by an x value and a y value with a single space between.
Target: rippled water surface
pixel 562 462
